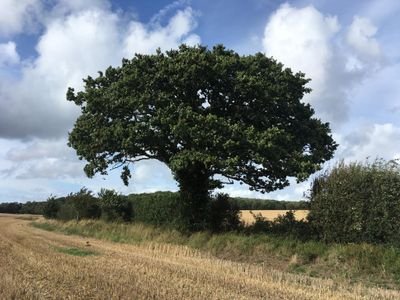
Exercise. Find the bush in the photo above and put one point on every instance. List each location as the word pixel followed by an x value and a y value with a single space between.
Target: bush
pixel 165 209
pixel 66 212
pixel 51 207
pixel 223 215
pixel 159 209
pixel 357 203
pixel 115 207
pixel 260 225
pixel 80 205
pixel 85 204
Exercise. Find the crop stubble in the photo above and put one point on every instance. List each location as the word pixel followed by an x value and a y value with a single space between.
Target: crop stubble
pixel 32 268
pixel 270 215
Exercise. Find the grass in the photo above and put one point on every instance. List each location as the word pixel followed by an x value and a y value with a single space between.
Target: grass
pixel 374 265
pixel 76 251
pixel 28 218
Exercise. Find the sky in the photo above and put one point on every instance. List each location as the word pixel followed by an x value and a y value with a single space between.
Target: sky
pixel 350 50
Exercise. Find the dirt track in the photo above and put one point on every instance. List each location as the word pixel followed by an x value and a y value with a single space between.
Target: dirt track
pixel 32 267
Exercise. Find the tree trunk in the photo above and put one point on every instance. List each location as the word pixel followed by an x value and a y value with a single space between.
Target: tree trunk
pixel 194 193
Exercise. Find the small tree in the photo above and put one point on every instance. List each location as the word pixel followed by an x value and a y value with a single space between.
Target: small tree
pixel 51 208
pixel 212 116
pixel 115 207
pixel 85 204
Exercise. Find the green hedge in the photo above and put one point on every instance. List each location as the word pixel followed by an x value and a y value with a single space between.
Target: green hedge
pixel 357 202
pixel 160 208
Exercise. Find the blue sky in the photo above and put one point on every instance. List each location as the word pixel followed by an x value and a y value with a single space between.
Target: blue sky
pixel 350 50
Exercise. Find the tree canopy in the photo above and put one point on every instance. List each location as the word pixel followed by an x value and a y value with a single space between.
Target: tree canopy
pixel 213 116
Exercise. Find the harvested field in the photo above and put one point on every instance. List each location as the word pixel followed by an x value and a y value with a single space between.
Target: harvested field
pixel 270 214
pixel 37 264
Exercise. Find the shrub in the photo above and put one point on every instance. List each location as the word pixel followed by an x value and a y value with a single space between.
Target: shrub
pixel 85 204
pixel 115 207
pixel 35 208
pixel 223 215
pixel 159 209
pixel 288 225
pixel 357 203
pixel 51 208
pixel 260 225
pixel 80 205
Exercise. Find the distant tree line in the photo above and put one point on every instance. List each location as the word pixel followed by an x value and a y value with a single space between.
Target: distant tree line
pixel 143 202
pixel 34 208
pixel 257 204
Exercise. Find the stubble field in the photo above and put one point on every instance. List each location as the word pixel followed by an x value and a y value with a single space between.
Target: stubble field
pixel 37 264
pixel 247 217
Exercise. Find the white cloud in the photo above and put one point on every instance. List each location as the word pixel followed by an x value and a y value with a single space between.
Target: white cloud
pixel 142 38
pixel 361 37
pixel 371 141
pixel 72 47
pixel 50 159
pixel 300 38
pixel 306 40
pixel 8 54
pixel 17 15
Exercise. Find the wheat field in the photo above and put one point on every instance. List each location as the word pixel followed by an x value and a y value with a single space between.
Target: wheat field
pixel 32 267
pixel 270 215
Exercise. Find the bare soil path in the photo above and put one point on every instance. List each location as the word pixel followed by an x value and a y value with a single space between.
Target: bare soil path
pixel 36 264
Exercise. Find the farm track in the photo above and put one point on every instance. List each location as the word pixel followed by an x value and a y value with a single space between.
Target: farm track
pixel 31 267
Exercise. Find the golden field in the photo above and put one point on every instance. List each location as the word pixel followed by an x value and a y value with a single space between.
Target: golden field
pixel 33 267
pixel 270 215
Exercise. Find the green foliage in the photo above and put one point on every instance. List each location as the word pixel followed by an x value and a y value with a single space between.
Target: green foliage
pixel 10 208
pixel 33 208
pixel 165 209
pixel 52 207
pixel 285 225
pixel 223 215
pixel 85 204
pixel 66 211
pixel 115 207
pixel 203 112
pixel 262 204
pixel 80 205
pixel 357 203
pixel 260 225
pixel 159 209
pixel 30 207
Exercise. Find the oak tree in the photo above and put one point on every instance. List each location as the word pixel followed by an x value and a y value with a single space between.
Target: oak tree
pixel 211 115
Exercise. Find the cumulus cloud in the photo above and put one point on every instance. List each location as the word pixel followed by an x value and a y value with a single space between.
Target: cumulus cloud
pixel 8 54
pixel 371 141
pixel 142 38
pixel 361 37
pixel 70 48
pixel 50 159
pixel 15 16
pixel 306 40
